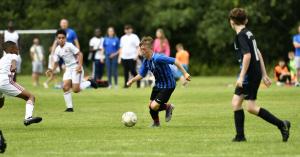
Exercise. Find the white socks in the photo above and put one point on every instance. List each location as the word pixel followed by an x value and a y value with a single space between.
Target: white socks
pixel 29 109
pixel 85 84
pixel 68 99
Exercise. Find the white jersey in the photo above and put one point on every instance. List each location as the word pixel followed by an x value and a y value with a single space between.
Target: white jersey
pixel 67 53
pixel 129 44
pixel 11 36
pixel 97 43
pixel 5 65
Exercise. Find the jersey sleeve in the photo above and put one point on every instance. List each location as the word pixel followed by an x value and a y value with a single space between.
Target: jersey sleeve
pixel 164 59
pixel 121 42
pixel 74 49
pixel 91 44
pixel 14 57
pixel 74 35
pixel 295 39
pixel 143 70
pixel 243 44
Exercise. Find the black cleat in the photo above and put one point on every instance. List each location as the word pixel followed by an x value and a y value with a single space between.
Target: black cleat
pixel 285 130
pixel 31 120
pixel 69 110
pixel 93 83
pixel 2 143
pixel 239 139
pixel 169 112
pixel 155 125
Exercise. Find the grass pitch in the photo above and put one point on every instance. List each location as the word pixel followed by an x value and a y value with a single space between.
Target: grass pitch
pixel 202 123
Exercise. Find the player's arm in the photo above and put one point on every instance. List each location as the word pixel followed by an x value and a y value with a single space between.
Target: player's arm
pixel 296 44
pixel 49 72
pixel 31 54
pixel 13 67
pixel 185 74
pixel 267 81
pixel 79 56
pixel 77 43
pixel 246 63
pixel 136 78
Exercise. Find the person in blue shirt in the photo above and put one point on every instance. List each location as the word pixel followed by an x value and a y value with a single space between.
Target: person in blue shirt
pixel 111 46
pixel 165 83
pixel 296 43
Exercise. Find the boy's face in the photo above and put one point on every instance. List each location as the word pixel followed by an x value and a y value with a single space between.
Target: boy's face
pixel 145 49
pixel 61 38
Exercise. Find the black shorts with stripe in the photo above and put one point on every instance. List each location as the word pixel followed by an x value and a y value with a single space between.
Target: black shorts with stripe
pixel 249 90
pixel 161 95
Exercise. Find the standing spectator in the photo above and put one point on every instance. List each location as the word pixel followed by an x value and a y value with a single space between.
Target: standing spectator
pixel 128 53
pixel 111 47
pixel 161 43
pixel 183 58
pixel 296 42
pixel 11 35
pixel 282 74
pixel 96 48
pixel 37 57
pixel 292 66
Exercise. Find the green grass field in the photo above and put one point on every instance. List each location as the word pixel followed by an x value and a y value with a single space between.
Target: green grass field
pixel 202 123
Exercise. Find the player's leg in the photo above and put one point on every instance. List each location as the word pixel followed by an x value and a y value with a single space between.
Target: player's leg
pixel 239 115
pixel 133 71
pixel 153 108
pixel 162 98
pixel 67 85
pixel 125 63
pixel 108 62
pixel 115 70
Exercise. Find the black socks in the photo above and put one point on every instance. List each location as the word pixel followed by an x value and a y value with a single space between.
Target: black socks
pixel 239 118
pixel 269 117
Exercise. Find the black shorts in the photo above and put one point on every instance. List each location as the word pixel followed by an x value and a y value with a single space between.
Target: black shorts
pixel 161 96
pixel 249 90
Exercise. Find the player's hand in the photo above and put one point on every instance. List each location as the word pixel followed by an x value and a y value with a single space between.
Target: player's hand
pixel 49 72
pixel 267 81
pixel 102 61
pixel 78 69
pixel 187 76
pixel 129 83
pixel 239 82
pixel 119 60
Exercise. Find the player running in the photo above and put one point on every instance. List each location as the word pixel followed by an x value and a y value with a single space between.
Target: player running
pixel 165 83
pixel 252 71
pixel 8 65
pixel 73 76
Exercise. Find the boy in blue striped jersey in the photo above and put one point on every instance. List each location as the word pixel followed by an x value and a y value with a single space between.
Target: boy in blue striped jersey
pixel 165 83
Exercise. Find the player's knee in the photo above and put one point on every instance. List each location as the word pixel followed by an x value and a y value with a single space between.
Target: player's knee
pixel 76 90
pixel 235 104
pixel 252 109
pixel 66 88
pixel 154 106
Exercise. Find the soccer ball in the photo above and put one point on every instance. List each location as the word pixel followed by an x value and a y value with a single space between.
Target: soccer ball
pixel 129 119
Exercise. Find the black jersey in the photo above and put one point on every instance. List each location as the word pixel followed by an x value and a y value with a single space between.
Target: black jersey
pixel 245 43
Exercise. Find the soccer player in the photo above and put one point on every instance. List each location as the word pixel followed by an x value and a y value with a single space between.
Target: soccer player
pixel 73 76
pixel 8 87
pixel 252 70
pixel 165 83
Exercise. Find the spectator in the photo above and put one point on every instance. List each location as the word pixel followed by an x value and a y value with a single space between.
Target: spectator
pixel 37 57
pixel 282 74
pixel 96 48
pixel 296 42
pixel 128 53
pixel 11 35
pixel 52 77
pixel 292 66
pixel 182 56
pixel 111 47
pixel 161 43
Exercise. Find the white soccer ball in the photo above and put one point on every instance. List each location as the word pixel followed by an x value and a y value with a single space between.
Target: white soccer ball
pixel 129 119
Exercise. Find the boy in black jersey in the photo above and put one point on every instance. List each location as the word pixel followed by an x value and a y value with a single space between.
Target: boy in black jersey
pixel 252 71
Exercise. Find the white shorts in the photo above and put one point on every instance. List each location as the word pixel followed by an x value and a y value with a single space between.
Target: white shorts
pixel 297 62
pixel 37 67
pixel 71 74
pixel 10 88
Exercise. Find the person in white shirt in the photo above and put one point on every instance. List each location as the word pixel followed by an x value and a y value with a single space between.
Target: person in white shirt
pixel 37 57
pixel 129 53
pixel 96 49
pixel 9 87
pixel 11 35
pixel 73 76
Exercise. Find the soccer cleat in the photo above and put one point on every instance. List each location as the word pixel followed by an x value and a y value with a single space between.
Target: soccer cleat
pixel 169 112
pixel 239 139
pixel 155 125
pixel 69 110
pixel 2 143
pixel 93 83
pixel 31 120
pixel 285 130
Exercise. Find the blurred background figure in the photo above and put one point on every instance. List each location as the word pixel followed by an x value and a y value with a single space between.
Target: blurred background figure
pixel 161 43
pixel 52 77
pixel 111 47
pixel 183 57
pixel 292 66
pixel 282 74
pixel 37 58
pixel 296 43
pixel 129 53
pixel 11 35
pixel 97 54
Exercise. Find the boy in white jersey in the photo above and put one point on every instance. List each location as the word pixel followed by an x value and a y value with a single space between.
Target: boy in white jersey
pixel 73 76
pixel 8 87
